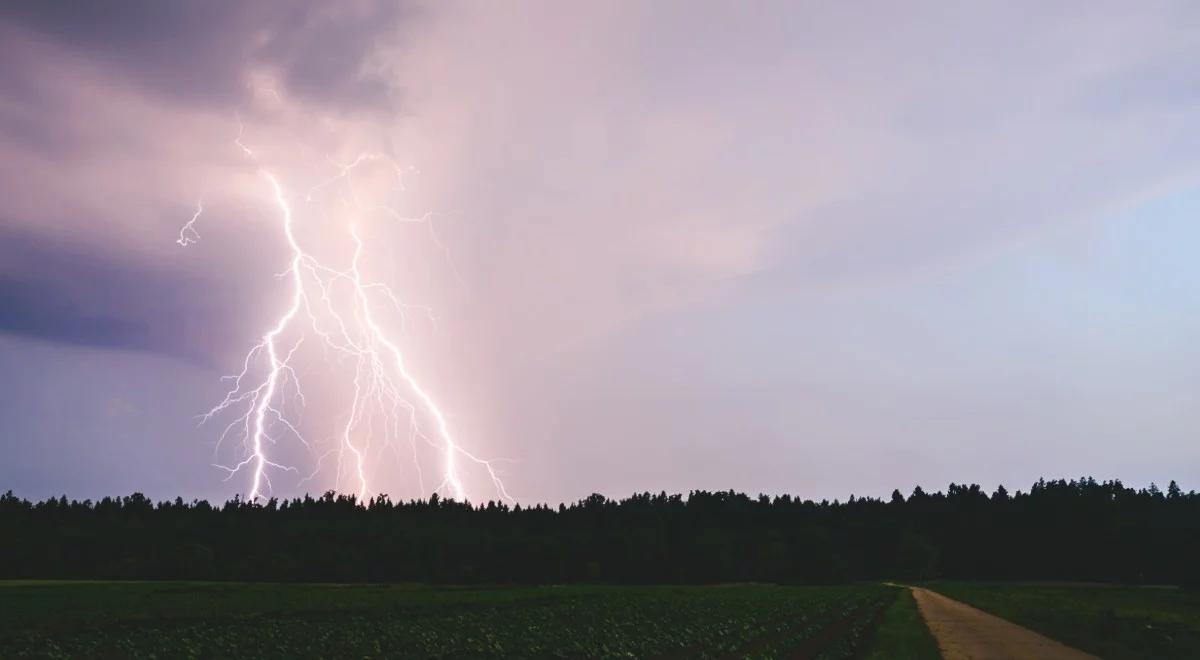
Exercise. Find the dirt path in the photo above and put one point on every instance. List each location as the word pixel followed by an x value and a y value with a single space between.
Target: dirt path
pixel 963 632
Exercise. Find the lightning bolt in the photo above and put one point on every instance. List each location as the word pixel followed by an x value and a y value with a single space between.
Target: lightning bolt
pixel 338 308
pixel 188 234
pixel 237 141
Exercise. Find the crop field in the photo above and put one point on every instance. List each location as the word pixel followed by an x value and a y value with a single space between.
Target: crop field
pixel 201 620
pixel 1113 622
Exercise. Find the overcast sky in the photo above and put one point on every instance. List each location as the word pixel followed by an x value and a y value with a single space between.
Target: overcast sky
pixel 817 248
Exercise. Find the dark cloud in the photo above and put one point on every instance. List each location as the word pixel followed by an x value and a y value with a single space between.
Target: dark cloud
pixel 199 52
pixel 57 288
pixel 58 291
pixel 38 309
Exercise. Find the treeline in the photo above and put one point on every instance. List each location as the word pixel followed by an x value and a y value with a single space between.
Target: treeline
pixel 1059 530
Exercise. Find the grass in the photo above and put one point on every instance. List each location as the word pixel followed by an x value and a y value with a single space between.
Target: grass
pixel 200 620
pixel 1113 622
pixel 902 634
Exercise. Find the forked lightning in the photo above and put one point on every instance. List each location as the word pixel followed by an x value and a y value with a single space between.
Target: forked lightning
pixel 336 307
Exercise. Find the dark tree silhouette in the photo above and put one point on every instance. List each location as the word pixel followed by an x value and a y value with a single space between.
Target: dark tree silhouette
pixel 1062 530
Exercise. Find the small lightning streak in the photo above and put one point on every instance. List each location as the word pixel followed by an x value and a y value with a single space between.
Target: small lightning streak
pixel 188 234
pixel 337 308
pixel 238 140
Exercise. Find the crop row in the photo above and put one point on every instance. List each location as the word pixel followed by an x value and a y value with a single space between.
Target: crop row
pixel 759 622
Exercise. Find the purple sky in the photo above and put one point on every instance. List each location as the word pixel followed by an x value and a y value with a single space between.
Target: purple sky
pixel 818 248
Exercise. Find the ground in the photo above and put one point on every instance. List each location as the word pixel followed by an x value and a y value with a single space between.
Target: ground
pixel 280 620
pixel 902 634
pixel 1113 622
pixel 198 620
pixel 968 633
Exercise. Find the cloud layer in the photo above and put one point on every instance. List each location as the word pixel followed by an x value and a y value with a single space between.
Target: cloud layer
pixel 689 244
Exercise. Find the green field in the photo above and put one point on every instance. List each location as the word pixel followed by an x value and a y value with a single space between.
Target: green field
pixel 902 634
pixel 200 620
pixel 1113 622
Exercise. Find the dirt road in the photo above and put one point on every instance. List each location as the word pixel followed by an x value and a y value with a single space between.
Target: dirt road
pixel 963 632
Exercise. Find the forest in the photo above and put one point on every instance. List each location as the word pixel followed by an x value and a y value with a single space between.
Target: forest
pixel 1078 530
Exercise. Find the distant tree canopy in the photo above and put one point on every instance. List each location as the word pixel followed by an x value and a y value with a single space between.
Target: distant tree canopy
pixel 1059 530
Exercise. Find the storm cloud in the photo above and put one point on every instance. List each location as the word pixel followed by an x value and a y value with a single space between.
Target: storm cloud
pixel 203 52
pixel 800 247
